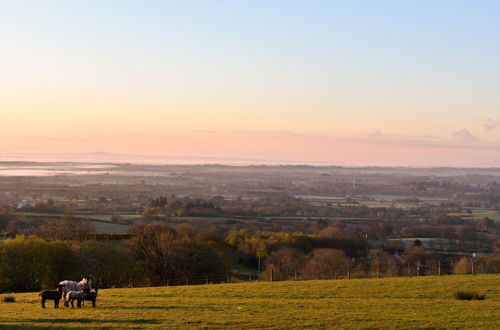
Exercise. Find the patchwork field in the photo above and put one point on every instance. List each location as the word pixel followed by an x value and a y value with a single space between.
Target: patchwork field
pixel 424 302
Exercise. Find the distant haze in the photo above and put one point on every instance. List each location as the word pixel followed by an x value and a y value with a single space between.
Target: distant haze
pixel 412 83
pixel 108 158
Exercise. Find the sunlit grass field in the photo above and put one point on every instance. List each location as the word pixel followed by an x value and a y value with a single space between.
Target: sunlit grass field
pixel 417 302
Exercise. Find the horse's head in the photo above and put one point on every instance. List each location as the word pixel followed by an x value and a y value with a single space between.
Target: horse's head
pixel 86 281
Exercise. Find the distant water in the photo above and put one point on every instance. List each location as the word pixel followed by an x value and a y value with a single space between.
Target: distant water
pixel 102 163
pixel 23 170
pixel 99 157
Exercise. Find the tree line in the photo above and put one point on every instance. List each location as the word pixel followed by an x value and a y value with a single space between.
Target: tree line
pixel 160 254
pixel 153 255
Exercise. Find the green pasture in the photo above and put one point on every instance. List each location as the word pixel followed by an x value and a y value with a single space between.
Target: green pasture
pixel 390 303
pixel 478 214
pixel 101 223
pixel 108 227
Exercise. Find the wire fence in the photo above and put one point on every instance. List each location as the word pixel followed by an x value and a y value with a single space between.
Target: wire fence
pixel 406 270
pixel 200 280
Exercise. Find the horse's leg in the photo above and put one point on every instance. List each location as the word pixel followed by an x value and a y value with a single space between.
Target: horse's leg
pixel 93 302
pixel 43 302
pixel 56 303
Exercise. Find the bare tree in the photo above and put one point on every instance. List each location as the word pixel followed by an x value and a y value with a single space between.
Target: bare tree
pixel 285 263
pixel 326 264
pixel 65 228
pixel 383 264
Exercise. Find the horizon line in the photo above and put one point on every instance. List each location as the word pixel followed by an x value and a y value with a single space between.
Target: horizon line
pixel 202 161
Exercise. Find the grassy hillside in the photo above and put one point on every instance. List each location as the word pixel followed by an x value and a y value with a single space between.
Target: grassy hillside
pixel 392 302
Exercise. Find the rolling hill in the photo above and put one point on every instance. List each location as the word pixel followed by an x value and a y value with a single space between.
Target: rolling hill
pixel 417 302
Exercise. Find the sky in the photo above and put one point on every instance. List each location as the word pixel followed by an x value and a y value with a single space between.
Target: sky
pixel 402 83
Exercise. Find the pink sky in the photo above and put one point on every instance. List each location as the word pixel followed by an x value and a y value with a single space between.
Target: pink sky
pixel 271 146
pixel 336 82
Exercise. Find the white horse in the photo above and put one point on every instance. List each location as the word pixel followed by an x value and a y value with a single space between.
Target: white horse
pixel 85 283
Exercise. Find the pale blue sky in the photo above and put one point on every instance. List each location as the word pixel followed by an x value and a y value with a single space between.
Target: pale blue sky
pixel 405 70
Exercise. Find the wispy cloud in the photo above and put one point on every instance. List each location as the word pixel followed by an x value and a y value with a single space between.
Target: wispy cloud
pixel 461 139
pixel 490 124
pixel 376 133
pixel 464 135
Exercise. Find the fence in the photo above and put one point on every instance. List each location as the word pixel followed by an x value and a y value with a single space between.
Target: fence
pixel 201 280
pixel 407 270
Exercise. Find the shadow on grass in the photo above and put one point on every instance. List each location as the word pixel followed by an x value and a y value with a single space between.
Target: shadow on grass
pixel 149 307
pixel 86 320
pixel 26 326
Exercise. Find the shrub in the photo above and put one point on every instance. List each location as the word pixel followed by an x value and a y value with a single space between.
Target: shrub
pixel 468 295
pixel 10 299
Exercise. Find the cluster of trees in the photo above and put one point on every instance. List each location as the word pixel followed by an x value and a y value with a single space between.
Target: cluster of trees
pixel 32 263
pixel 176 253
pixel 66 227
pixel 160 207
pixel 336 251
pixel 158 254
pixel 252 247
pixel 155 255
pixel 327 263
pixel 159 201
pixel 323 263
pixel 478 265
pixel 268 206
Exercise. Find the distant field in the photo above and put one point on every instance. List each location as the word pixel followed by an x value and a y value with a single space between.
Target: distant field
pixel 494 215
pixel 101 223
pixel 192 218
pixel 418 302
pixel 478 214
pixel 108 227
pixel 107 217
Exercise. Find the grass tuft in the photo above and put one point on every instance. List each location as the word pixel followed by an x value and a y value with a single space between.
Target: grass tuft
pixel 9 299
pixel 468 295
